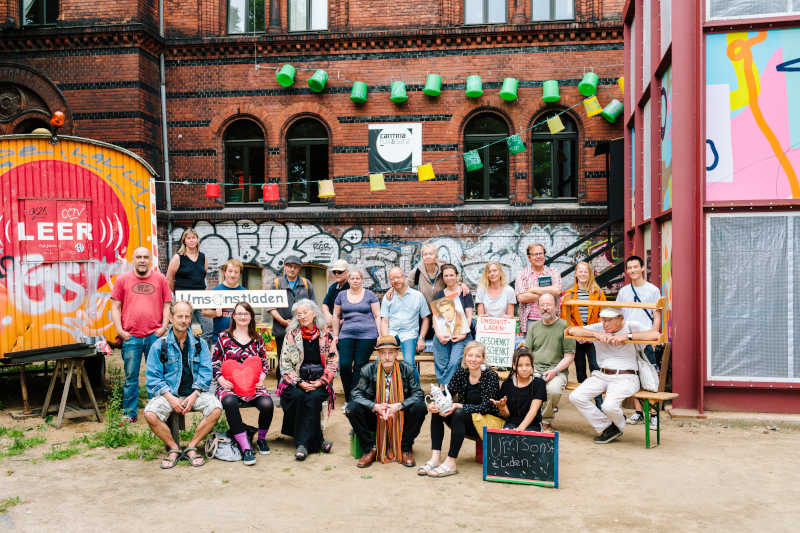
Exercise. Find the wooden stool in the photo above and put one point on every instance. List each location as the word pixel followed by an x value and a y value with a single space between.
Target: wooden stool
pixel 71 366
pixel 176 422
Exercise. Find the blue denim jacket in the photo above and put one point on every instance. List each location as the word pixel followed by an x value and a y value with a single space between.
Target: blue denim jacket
pixel 162 378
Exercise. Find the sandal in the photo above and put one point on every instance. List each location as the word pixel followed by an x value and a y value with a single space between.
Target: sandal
pixel 195 460
pixel 327 446
pixel 442 471
pixel 167 462
pixel 425 469
pixel 301 453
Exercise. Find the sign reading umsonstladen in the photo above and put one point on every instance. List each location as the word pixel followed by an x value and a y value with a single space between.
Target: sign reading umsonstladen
pixel 228 299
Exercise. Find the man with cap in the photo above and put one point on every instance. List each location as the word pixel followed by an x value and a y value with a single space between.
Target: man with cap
pixel 389 401
pixel 297 288
pixel 340 283
pixel 614 343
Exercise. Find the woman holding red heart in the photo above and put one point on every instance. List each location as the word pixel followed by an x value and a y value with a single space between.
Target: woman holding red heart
pixel 240 365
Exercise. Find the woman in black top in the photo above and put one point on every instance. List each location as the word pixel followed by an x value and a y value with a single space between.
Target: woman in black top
pixel 522 395
pixel 187 272
pixel 474 388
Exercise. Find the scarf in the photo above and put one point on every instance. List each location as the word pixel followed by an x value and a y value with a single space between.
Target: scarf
pixel 309 334
pixel 389 432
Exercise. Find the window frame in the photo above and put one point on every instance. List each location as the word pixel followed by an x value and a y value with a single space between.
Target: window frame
pixel 485 16
pixel 306 143
pixel 484 139
pixel 791 12
pixel 572 136
pixel 228 15
pixel 42 12
pixel 247 145
pixel 552 10
pixel 309 16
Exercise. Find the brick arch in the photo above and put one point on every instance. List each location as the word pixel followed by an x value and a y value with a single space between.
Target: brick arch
pixel 462 127
pixel 30 80
pixel 546 110
pixel 220 123
pixel 294 114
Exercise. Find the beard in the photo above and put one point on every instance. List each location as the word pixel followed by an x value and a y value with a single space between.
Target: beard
pixel 546 315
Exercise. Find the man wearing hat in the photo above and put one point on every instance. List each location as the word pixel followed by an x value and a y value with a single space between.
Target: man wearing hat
pixel 389 401
pixel 340 283
pixel 297 288
pixel 618 376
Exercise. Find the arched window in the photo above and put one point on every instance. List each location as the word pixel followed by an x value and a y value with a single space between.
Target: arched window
pixel 307 153
pixel 491 181
pixel 244 162
pixel 555 160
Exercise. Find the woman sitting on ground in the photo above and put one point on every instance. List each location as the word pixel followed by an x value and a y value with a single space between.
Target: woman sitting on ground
pixel 522 394
pixel 239 343
pixel 308 365
pixel 472 388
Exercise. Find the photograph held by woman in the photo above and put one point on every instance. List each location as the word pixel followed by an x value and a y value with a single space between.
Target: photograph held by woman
pixel 452 319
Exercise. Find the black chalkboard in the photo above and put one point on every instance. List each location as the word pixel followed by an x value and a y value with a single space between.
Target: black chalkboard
pixel 527 457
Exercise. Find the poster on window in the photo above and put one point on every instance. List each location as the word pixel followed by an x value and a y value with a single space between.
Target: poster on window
pixel 395 147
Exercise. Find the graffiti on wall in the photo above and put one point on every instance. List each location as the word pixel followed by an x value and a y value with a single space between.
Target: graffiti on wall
pixel 752 115
pixel 666 140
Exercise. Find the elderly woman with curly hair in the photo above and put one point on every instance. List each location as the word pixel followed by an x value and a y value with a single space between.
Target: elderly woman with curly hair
pixel 308 364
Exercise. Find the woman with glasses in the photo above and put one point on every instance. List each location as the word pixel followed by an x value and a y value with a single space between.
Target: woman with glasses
pixel 239 343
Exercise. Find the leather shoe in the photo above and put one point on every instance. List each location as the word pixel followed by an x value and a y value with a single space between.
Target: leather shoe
pixel 367 459
pixel 408 459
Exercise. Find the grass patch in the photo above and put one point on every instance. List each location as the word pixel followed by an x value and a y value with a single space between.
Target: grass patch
pixel 117 432
pixel 61 453
pixel 6 504
pixel 21 444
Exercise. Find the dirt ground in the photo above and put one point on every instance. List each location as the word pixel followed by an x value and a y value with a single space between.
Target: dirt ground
pixel 704 476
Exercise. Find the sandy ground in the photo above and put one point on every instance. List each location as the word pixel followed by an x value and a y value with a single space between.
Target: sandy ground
pixel 704 476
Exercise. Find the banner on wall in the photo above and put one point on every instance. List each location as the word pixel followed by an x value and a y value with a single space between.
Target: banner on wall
pixel 395 147
pixel 498 335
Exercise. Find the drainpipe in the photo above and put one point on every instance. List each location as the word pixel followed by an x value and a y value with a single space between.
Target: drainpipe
pixel 164 140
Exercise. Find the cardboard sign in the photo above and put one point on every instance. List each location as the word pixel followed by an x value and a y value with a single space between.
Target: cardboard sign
pixel 498 335
pixel 228 299
pixel 526 457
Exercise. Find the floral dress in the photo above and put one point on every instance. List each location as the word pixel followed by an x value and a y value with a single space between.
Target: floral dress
pixel 229 348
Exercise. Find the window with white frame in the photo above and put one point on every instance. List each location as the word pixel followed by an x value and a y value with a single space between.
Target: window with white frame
pixel 728 9
pixel 308 15
pixel 246 16
pixel 544 10
pixel 484 11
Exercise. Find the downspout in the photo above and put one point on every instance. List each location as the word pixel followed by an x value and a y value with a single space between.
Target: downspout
pixel 164 140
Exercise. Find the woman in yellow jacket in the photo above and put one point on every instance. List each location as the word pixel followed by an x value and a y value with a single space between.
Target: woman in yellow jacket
pixel 585 288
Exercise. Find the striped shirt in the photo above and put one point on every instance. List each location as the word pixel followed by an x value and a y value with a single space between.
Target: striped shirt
pixel 583 294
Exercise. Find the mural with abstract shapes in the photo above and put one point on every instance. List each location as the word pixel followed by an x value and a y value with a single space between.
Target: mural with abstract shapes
pixel 753 115
pixel 666 273
pixel 666 140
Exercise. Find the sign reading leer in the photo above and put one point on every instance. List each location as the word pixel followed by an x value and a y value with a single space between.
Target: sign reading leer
pixel 228 299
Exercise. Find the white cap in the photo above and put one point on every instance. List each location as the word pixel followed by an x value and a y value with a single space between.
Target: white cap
pixel 339 264
pixel 610 312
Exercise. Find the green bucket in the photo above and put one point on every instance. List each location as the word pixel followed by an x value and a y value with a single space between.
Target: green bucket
pixel 588 85
pixel 472 160
pixel 398 95
pixel 433 85
pixel 515 144
pixel 474 86
pixel 318 80
pixel 509 90
pixel 550 91
pixel 359 92
pixel 285 75
pixel 612 111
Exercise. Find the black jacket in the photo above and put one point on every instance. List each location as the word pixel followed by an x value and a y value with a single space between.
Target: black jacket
pixel 364 392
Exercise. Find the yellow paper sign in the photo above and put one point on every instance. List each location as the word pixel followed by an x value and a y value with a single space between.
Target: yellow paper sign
pixel 621 83
pixel 555 124
pixel 326 189
pixel 376 183
pixel 425 172
pixel 592 106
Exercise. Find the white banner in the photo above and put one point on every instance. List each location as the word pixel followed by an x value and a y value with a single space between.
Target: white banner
pixel 498 334
pixel 227 299
pixel 395 147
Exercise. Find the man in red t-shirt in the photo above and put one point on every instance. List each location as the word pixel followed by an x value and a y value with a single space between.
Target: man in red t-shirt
pixel 140 311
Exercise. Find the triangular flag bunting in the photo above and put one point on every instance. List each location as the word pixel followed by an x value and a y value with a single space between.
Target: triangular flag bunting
pixel 472 160
pixel 555 124
pixel 425 172
pixel 376 183
pixel 621 83
pixel 515 144
pixel 326 189
pixel 592 106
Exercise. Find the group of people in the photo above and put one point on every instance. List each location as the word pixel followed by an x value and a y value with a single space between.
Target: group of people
pixel 383 399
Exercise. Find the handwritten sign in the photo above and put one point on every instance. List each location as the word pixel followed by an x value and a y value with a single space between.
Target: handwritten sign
pixel 498 335
pixel 228 299
pixel 527 457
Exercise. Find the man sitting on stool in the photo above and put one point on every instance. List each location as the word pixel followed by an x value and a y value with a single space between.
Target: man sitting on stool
pixel 388 400
pixel 618 375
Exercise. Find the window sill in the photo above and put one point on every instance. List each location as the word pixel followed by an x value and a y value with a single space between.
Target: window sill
pixel 565 200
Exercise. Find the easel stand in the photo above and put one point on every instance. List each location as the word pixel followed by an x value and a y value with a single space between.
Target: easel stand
pixel 71 367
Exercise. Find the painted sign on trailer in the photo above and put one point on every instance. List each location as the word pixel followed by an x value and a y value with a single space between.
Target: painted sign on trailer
pixel 71 216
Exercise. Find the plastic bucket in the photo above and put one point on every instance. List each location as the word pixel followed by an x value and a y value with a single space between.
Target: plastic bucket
pixel 612 111
pixel 318 80
pixel 550 91
pixel 509 90
pixel 474 86
pixel 588 85
pixel 285 75
pixel 398 95
pixel 359 92
pixel 433 85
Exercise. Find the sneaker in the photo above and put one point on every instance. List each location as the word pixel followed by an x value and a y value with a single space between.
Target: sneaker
pixel 128 419
pixel 611 433
pixel 248 457
pixel 653 422
pixel 262 446
pixel 635 418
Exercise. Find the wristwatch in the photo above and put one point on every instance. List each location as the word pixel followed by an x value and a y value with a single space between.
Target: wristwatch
pixel 630 336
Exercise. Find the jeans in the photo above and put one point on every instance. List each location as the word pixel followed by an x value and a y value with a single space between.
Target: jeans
pixel 364 421
pixel 353 354
pixel 132 350
pixel 409 349
pixel 447 358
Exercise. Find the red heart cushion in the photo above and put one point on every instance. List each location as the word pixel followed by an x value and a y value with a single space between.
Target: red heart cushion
pixel 243 376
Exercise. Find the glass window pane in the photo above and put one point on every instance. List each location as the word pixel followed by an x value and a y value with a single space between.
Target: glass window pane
pixel 565 169
pixel 319 14
pixel 307 128
pixel 297 15
pixel 243 130
pixel 236 16
pixel 497 11
pixel 473 181
pixel 486 124
pixel 743 8
pixel 257 12
pixel 541 10
pixel 542 169
pixel 297 173
pixel 234 172
pixel 646 46
pixel 51 11
pixel 497 164
pixel 666 24
pixel 473 11
pixel 564 9
pixel 255 169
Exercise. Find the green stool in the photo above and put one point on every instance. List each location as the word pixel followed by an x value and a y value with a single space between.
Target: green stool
pixel 355 446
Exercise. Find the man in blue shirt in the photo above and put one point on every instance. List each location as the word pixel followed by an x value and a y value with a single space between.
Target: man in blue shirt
pixel 401 316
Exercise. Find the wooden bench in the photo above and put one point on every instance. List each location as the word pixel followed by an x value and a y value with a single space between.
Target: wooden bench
pixel 424 357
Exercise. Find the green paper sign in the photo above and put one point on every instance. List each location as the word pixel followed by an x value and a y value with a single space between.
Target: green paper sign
pixel 515 144
pixel 472 160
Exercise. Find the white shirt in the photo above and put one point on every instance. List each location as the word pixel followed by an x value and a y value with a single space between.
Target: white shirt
pixel 496 308
pixel 622 357
pixel 648 293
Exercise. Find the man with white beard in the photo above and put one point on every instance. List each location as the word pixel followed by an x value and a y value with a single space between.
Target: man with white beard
pixel 552 354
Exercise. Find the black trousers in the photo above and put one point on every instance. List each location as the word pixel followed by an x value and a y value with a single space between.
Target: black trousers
pixel 301 416
pixel 460 424
pixel 279 348
pixel 582 353
pixel 364 422
pixel 231 404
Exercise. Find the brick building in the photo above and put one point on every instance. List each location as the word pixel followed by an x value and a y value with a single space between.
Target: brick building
pixel 221 117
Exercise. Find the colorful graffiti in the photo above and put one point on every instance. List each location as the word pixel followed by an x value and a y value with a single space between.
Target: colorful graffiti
pixel 666 273
pixel 753 115
pixel 666 140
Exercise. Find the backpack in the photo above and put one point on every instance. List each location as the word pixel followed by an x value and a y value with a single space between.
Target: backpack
pixel 222 447
pixel 163 357
pixel 304 280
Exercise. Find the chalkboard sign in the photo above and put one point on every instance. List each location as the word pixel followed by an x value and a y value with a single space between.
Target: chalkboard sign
pixel 527 457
